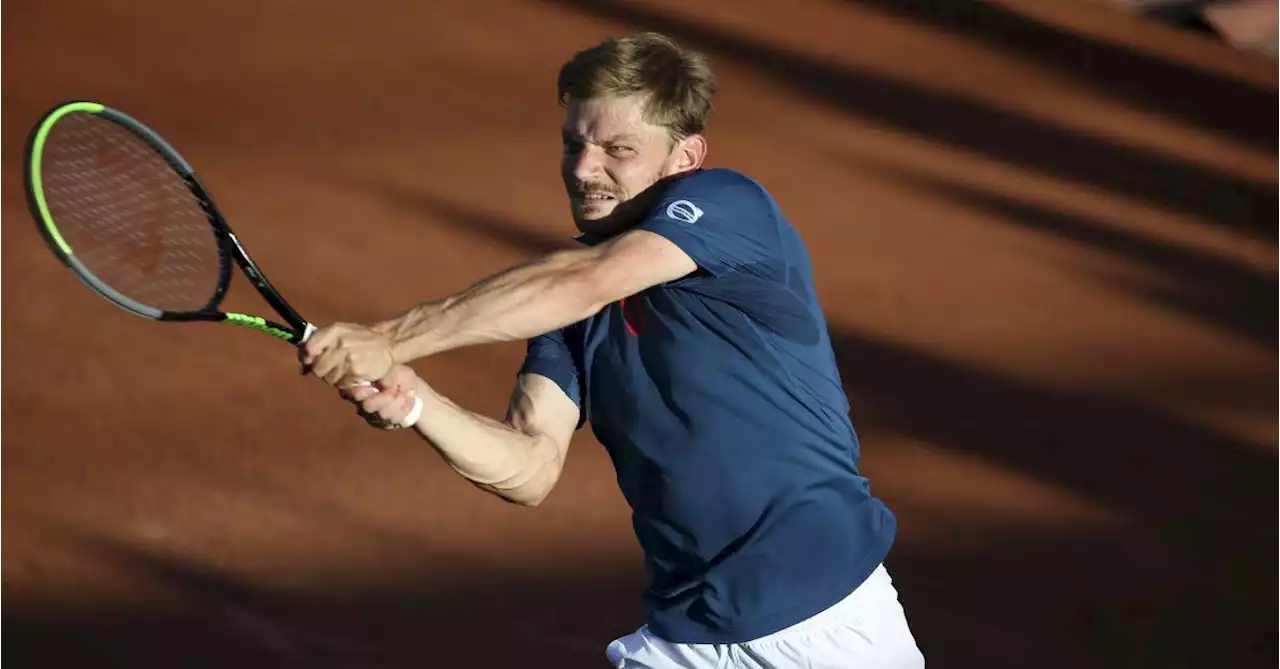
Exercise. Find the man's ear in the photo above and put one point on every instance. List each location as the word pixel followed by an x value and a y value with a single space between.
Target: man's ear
pixel 690 153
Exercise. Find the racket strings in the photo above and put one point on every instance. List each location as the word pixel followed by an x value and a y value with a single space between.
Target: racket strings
pixel 128 216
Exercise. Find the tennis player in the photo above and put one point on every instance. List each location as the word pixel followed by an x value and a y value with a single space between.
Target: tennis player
pixel 686 330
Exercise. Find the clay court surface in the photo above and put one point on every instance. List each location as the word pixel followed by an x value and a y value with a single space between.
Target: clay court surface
pixel 1043 233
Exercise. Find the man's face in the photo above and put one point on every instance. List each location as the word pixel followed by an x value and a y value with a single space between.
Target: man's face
pixel 611 155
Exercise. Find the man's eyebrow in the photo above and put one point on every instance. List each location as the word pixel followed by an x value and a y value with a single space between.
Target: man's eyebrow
pixel 567 133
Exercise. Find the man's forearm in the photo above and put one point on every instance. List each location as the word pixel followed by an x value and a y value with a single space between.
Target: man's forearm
pixel 494 456
pixel 523 302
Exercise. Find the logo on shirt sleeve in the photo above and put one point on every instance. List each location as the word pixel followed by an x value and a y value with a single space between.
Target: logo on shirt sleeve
pixel 684 211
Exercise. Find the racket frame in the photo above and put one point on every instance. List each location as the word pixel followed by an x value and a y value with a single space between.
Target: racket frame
pixel 294 329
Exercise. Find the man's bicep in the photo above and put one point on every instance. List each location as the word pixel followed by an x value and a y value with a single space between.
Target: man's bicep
pixel 638 260
pixel 541 408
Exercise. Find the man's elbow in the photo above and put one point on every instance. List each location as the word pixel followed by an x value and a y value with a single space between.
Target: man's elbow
pixel 530 491
pixel 531 500
pixel 528 495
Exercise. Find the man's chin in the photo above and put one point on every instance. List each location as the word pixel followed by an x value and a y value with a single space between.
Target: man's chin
pixel 603 226
pixel 608 219
pixel 597 212
pixel 599 220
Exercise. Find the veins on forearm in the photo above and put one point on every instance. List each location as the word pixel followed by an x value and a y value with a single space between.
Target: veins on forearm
pixel 521 302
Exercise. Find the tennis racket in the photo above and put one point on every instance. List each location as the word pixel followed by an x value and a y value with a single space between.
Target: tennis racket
pixel 125 212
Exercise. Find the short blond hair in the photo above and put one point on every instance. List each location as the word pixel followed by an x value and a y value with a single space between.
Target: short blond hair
pixel 678 84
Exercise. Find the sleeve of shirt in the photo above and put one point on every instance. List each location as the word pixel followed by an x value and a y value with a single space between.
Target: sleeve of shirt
pixel 723 222
pixel 549 355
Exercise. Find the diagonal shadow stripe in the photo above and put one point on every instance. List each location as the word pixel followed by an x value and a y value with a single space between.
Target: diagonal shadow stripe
pixel 1176 89
pixel 1229 296
pixel 1222 198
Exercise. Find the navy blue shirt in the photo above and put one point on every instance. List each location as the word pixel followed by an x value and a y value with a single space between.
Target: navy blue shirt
pixel 718 399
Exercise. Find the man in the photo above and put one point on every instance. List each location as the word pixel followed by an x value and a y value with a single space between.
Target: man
pixel 687 332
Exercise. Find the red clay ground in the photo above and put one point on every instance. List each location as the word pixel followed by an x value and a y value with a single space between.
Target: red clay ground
pixel 1043 235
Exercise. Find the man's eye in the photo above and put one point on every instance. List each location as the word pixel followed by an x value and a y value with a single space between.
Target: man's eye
pixel 618 149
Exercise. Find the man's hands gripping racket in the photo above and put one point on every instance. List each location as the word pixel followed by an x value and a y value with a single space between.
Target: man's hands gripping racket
pixel 121 209
pixel 392 402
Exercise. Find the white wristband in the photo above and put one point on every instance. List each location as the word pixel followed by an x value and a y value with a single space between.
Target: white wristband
pixel 414 414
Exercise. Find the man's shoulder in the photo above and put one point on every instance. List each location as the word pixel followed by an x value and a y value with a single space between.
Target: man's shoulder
pixel 716 179
pixel 722 188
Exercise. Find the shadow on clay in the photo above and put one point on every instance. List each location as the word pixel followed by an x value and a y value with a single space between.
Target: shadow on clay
pixel 1217 197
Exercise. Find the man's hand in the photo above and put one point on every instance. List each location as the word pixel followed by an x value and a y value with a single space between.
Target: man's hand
pixel 347 354
pixel 387 402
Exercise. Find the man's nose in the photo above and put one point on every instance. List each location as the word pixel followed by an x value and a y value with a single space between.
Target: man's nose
pixel 588 163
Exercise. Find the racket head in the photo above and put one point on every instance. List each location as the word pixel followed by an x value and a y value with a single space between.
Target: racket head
pixel 125 213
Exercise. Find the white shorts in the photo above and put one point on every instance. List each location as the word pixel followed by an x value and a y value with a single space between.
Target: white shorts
pixel 866 629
